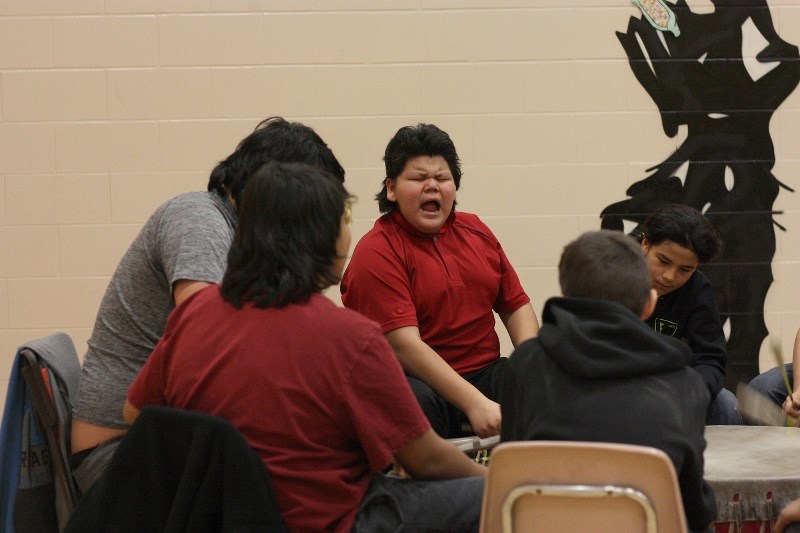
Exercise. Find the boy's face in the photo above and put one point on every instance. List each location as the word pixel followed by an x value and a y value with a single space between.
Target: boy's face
pixel 671 265
pixel 425 192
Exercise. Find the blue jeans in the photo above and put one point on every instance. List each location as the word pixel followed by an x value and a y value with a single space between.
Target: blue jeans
pixel 393 504
pixel 724 410
pixel 771 384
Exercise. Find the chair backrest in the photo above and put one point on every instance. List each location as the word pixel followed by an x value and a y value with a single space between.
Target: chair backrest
pixel 37 491
pixel 581 486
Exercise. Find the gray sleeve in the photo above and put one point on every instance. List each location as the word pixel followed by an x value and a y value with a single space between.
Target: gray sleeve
pixel 192 239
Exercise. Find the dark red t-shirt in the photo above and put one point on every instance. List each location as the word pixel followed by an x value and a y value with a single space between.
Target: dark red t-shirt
pixel 315 389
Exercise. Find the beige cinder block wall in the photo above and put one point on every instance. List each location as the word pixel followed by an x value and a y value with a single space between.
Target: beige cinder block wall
pixel 109 107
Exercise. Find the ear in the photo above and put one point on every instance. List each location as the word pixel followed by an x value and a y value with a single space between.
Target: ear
pixel 650 306
pixel 645 244
pixel 390 194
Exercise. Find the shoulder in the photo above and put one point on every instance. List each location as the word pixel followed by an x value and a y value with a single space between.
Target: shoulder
pixel 343 322
pixel 696 290
pixel 471 224
pixel 382 237
pixel 196 199
pixel 195 212
pixel 196 204
pixel 469 221
pixel 699 280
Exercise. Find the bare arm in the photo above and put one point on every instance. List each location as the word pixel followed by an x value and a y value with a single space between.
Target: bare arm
pixel 521 324
pixel 421 361
pixel 183 288
pixel 432 457
pixel 791 404
pixel 796 361
pixel 789 515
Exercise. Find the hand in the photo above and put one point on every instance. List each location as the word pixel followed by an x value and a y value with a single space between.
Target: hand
pixel 484 417
pixel 791 405
pixel 789 515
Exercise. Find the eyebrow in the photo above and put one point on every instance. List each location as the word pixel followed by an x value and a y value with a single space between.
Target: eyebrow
pixel 667 259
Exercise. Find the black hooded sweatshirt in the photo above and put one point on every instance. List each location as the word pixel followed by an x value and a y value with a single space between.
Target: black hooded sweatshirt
pixel 596 372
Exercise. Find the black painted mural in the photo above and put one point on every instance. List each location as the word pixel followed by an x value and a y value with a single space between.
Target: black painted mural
pixel 695 73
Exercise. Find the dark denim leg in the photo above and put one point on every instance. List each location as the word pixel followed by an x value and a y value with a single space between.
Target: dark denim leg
pixel 724 410
pixel 94 464
pixel 400 505
pixel 771 384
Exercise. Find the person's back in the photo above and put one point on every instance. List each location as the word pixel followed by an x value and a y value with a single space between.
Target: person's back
pixel 597 372
pixel 287 378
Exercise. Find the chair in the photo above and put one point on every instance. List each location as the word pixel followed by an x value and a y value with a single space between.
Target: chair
pixel 37 492
pixel 581 486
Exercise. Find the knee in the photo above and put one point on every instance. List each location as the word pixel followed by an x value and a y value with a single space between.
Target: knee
pixel 771 383
pixel 725 410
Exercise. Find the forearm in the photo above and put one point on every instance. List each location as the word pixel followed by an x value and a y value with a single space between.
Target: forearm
pixel 796 362
pixel 521 324
pixel 422 362
pixel 431 457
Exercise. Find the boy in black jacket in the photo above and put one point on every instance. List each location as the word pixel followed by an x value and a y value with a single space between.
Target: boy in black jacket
pixel 675 239
pixel 597 372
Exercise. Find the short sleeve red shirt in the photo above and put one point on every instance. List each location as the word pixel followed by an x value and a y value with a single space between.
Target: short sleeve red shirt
pixel 447 285
pixel 315 389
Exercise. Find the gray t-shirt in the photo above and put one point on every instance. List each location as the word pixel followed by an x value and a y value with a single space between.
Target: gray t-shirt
pixel 186 238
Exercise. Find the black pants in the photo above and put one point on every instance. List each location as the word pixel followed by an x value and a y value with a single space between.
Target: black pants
pixel 445 418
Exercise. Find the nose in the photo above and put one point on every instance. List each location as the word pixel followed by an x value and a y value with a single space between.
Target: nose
pixel 431 184
pixel 669 274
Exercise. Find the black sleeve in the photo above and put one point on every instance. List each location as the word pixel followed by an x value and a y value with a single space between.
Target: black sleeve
pixel 510 399
pixel 703 332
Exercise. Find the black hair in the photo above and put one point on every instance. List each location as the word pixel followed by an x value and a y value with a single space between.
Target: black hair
pixel 684 225
pixel 414 141
pixel 274 139
pixel 285 243
pixel 606 265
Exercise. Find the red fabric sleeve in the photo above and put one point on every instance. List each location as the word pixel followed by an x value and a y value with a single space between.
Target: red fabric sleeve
pixel 377 284
pixel 384 411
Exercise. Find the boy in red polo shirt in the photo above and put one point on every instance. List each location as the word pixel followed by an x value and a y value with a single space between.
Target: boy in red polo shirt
pixel 433 279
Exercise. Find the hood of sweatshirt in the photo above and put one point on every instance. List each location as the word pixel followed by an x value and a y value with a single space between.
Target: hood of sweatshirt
pixel 597 339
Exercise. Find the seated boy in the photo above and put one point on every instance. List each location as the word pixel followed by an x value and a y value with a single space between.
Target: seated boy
pixel 598 372
pixel 433 278
pixel 315 389
pixel 675 239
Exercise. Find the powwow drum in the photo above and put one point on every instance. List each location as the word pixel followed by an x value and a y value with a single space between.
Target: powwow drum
pixel 754 471
pixel 477 448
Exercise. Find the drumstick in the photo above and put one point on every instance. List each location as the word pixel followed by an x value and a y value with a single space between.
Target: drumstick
pixel 778 353
pixel 759 408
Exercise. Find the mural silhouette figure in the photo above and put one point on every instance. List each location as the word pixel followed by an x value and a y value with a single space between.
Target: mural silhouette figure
pixel 700 80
